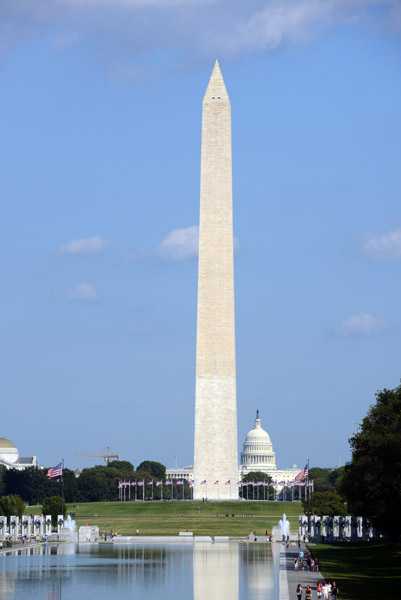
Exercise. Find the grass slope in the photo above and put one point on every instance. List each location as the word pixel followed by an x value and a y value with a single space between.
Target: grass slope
pixel 168 518
pixel 363 571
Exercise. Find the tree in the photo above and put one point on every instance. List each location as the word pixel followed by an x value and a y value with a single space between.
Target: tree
pixel 257 476
pixel 325 480
pixel 53 506
pixel 12 505
pixel 122 465
pixel 372 480
pixel 155 469
pixel 325 503
pixel 31 484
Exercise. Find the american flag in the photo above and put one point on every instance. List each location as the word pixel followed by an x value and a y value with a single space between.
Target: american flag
pixel 302 474
pixel 55 471
pixel 133 482
pixel 150 482
pixel 140 483
pixel 228 482
pixel 159 483
pixel 168 482
pixel 179 483
pixel 203 482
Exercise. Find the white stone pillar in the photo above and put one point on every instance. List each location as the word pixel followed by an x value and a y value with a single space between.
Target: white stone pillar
pixel 3 528
pixel 359 527
pixel 36 525
pixel 312 526
pixel 25 526
pixel 60 522
pixel 48 524
pixel 42 526
pixel 325 526
pixel 336 527
pixel 318 527
pixel 14 527
pixel 345 528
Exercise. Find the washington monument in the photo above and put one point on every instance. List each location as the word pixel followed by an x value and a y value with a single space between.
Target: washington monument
pixel 215 457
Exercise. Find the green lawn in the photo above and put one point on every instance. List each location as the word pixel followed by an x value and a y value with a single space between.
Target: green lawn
pixel 164 518
pixel 363 571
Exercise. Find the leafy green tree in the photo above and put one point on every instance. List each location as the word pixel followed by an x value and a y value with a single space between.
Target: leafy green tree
pixel 372 480
pixel 53 506
pixel 325 480
pixel 325 503
pixel 70 486
pixel 31 484
pixel 98 484
pixel 12 505
pixel 155 469
pixel 122 465
pixel 257 476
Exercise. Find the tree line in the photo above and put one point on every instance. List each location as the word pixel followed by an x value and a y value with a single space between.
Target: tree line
pixel 94 484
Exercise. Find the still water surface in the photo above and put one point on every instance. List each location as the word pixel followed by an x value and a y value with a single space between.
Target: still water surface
pixel 174 571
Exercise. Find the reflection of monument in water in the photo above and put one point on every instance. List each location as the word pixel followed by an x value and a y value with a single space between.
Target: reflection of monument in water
pixel 215 456
pixel 216 571
pixel 257 569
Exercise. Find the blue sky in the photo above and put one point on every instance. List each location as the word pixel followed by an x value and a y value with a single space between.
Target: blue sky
pixel 100 154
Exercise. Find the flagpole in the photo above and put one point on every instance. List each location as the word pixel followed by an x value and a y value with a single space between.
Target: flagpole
pixel 62 490
pixel 307 483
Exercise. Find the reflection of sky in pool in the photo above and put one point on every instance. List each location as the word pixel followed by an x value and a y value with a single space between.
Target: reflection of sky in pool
pixel 178 572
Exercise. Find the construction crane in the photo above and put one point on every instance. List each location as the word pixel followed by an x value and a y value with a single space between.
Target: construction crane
pixel 106 457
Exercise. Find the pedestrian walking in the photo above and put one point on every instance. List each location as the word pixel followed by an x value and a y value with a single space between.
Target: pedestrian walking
pixel 334 591
pixel 325 591
pixel 319 589
pixel 299 591
pixel 308 592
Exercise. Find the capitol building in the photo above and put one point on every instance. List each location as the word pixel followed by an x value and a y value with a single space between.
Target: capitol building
pixel 257 455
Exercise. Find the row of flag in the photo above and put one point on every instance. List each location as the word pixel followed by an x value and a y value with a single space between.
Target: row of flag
pixel 297 481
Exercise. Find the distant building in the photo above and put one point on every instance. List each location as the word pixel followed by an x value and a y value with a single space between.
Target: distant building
pixel 258 455
pixel 10 458
pixel 186 473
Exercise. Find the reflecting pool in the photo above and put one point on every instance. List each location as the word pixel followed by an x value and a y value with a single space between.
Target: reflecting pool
pixel 204 571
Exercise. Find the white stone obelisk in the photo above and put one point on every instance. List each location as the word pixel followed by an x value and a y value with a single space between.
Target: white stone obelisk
pixel 215 457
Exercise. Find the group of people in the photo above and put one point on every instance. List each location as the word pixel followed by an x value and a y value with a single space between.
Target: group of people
pixel 111 535
pixel 326 590
pixel 305 562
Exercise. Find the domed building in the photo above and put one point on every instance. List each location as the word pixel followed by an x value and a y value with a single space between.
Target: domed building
pixel 258 454
pixel 10 458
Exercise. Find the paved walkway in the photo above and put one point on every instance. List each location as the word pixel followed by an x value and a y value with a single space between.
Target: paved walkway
pixel 295 577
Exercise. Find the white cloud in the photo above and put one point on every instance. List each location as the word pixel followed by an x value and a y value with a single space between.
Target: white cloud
pixel 82 291
pixel 361 324
pixel 87 245
pixel 387 246
pixel 190 30
pixel 180 244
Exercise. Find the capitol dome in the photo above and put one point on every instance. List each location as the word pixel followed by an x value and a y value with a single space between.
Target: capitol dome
pixel 257 454
pixel 8 451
